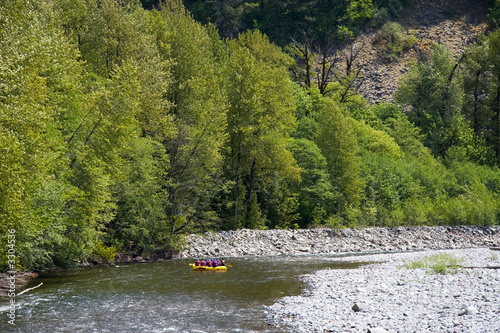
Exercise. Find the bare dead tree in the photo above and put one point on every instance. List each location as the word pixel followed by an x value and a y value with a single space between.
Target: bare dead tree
pixel 326 65
pixel 305 58
pixel 351 54
pixel 328 61
pixel 350 75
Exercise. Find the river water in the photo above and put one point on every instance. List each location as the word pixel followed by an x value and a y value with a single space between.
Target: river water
pixel 163 296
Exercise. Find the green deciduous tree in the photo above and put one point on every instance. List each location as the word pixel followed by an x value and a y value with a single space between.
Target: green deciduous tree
pixel 337 140
pixel 315 193
pixel 494 58
pixel 39 74
pixel 431 93
pixel 259 119
pixel 199 107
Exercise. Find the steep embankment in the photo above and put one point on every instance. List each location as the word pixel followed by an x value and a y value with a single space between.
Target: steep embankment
pixel 314 241
pixel 454 23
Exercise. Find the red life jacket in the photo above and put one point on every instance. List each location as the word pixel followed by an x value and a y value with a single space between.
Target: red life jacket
pixel 209 264
pixel 197 263
pixel 203 262
pixel 214 263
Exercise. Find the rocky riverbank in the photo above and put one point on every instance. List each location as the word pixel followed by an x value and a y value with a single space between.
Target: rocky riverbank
pixel 318 241
pixel 388 297
pixel 15 282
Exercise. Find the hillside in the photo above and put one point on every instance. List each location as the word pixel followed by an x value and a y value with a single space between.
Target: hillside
pixel 452 23
pixel 123 129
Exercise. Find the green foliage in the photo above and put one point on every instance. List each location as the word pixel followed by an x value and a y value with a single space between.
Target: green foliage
pixel 141 220
pixel 376 141
pixel 315 194
pixel 280 204
pixel 337 141
pixel 105 253
pixel 38 72
pixel 494 14
pixel 431 93
pixel 199 106
pixel 396 124
pixel 122 128
pixel 282 19
pixel 393 38
pixel 441 263
pixel 259 118
pixel 391 6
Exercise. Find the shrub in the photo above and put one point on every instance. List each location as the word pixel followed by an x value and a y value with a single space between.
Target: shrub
pixel 380 17
pixel 494 14
pixel 440 263
pixel 105 253
pixel 394 40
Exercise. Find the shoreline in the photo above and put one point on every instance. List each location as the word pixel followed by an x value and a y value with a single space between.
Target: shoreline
pixel 246 242
pixel 250 242
pixel 22 279
pixel 390 298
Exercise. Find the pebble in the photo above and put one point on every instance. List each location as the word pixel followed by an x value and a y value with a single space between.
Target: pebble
pixel 396 299
pixel 245 242
pixel 391 298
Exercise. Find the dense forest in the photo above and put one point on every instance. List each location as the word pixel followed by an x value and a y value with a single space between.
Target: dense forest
pixel 124 126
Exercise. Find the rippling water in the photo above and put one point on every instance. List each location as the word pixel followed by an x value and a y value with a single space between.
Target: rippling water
pixel 166 296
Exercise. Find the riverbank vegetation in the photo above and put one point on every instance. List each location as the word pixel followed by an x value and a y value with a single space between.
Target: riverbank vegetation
pixel 441 263
pixel 123 128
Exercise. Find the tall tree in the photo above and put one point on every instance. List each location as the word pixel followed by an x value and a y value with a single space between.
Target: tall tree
pixel 494 58
pixel 431 93
pixel 338 144
pixel 259 120
pixel 199 107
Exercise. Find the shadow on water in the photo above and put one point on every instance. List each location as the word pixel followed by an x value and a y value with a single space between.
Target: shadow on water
pixel 166 296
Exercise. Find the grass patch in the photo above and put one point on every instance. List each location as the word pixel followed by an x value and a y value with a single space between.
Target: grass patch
pixel 441 263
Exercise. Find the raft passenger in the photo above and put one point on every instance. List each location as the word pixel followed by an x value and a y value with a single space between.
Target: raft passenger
pixel 197 263
pixel 223 262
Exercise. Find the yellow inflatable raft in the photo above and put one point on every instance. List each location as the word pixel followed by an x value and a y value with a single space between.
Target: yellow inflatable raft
pixel 206 268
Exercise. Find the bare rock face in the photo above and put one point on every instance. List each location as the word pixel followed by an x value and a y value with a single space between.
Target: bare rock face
pixel 453 23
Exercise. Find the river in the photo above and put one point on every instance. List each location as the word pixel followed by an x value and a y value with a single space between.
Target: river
pixel 162 296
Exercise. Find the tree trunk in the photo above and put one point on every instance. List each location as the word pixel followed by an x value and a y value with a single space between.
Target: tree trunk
pixel 250 189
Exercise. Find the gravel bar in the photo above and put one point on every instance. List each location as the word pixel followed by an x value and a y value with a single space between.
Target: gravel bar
pixel 247 242
pixel 387 297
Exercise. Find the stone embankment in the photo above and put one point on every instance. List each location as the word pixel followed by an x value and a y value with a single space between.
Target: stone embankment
pixel 245 242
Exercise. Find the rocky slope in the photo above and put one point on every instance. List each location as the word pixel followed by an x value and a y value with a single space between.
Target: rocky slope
pixel 454 23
